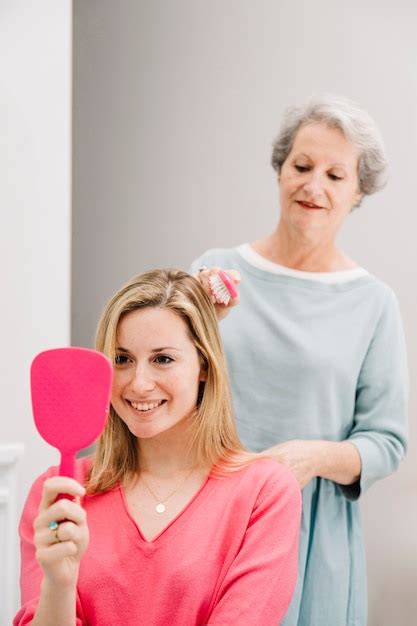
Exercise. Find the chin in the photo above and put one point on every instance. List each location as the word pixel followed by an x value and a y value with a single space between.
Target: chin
pixel 148 431
pixel 309 221
pixel 145 435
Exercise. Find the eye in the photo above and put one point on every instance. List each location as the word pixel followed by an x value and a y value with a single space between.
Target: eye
pixel 301 168
pixel 163 359
pixel 334 177
pixel 121 359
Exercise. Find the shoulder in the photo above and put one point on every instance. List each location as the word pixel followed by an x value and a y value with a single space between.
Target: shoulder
pixel 272 476
pixel 266 481
pixel 385 301
pixel 379 289
pixel 377 300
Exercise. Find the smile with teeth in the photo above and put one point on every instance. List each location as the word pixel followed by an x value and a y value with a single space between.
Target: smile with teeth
pixel 145 406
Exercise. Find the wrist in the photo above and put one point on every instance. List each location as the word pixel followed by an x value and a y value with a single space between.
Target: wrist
pixel 63 585
pixel 338 461
pixel 324 451
pixel 57 603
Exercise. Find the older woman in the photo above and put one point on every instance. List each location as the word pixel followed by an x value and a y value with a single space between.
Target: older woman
pixel 316 351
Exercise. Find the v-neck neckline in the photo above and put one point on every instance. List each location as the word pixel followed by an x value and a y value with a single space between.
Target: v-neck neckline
pixel 175 522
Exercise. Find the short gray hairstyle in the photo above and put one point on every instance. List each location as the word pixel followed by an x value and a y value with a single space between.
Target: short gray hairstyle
pixel 357 126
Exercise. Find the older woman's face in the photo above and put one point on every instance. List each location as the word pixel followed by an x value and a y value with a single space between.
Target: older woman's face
pixel 319 182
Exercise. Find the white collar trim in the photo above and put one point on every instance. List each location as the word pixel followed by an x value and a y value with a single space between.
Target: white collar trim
pixel 255 259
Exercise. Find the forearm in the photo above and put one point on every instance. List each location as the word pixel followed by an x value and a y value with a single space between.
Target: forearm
pixel 308 459
pixel 338 461
pixel 57 605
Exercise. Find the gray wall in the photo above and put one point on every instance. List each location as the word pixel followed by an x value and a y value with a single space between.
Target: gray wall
pixel 175 106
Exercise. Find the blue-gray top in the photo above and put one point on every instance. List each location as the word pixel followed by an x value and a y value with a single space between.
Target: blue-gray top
pixel 319 357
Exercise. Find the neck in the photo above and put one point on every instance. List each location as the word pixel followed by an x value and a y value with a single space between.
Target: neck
pixel 303 251
pixel 166 454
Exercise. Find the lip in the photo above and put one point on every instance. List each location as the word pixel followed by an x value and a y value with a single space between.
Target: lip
pixel 309 206
pixel 148 412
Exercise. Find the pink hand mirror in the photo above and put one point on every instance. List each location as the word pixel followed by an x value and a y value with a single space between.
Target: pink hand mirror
pixel 71 390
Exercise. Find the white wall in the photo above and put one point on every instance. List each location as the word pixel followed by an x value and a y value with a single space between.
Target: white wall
pixel 175 106
pixel 35 139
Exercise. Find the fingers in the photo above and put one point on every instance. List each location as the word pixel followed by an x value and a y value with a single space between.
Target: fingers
pixel 50 555
pixel 56 485
pixel 204 277
pixel 60 530
pixel 66 531
pixel 59 511
pixel 69 514
pixel 54 546
pixel 70 540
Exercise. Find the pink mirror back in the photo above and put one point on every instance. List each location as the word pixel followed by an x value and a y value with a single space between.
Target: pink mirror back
pixel 71 389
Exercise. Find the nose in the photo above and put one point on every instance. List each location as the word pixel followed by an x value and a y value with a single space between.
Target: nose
pixel 142 381
pixel 314 183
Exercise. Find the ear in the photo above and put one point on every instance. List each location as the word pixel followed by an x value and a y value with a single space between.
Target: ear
pixel 203 373
pixel 357 199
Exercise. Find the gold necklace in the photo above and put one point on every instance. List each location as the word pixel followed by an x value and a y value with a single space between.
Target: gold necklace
pixel 160 506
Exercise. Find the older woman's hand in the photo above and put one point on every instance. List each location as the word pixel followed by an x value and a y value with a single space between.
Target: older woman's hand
pixel 338 461
pixel 299 456
pixel 203 276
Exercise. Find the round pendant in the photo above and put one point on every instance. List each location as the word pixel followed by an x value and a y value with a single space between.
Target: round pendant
pixel 160 508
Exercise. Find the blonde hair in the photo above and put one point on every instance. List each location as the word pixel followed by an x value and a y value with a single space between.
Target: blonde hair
pixel 214 441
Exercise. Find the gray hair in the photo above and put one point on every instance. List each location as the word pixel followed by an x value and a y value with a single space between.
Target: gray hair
pixel 355 124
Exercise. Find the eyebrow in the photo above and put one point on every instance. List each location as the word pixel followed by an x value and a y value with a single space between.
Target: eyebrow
pixel 121 349
pixel 166 348
pixel 303 154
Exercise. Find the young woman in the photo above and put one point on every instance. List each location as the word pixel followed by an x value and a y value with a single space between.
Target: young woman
pixel 172 522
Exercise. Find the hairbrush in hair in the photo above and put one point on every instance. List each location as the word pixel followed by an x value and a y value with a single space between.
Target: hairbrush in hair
pixel 222 287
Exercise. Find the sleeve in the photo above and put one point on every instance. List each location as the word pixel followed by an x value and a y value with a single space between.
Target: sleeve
pixel 31 574
pixel 380 423
pixel 260 582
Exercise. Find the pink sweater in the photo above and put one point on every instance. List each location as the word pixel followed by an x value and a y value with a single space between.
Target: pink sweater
pixel 229 558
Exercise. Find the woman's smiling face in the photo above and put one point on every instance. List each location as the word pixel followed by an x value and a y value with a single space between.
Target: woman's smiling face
pixel 319 181
pixel 157 372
